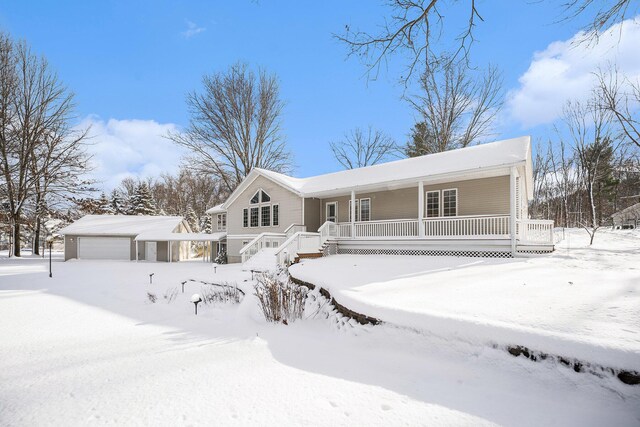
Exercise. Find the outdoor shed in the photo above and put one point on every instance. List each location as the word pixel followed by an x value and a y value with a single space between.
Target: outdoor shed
pixel 113 237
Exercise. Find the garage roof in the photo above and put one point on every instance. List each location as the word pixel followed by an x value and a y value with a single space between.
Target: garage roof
pixel 121 225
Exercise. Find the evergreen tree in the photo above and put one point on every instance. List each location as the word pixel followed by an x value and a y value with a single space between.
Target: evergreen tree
pixel 141 202
pixel 422 141
pixel 118 206
pixel 103 205
pixel 205 222
pixel 192 219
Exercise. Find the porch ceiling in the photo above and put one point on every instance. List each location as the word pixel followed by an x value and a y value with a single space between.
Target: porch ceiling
pixel 427 179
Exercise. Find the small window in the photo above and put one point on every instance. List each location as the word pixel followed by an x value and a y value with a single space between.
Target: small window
pixel 265 216
pixel 254 217
pixel 450 202
pixel 433 204
pixel 365 209
pixel 275 212
pixel 255 199
pixel 245 217
pixel 264 197
pixel 224 220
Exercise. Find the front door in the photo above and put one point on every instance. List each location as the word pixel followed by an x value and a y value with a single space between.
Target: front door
pixel 151 251
pixel 332 212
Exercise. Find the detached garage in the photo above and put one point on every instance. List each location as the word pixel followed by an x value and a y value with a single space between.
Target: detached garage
pixel 113 237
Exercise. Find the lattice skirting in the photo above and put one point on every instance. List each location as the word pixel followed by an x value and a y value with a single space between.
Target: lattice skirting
pixel 329 249
pixel 474 254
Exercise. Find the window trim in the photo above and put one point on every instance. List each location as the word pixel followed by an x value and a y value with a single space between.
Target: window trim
pixel 245 211
pixel 449 189
pixel 269 217
pixel 359 209
pixel 426 204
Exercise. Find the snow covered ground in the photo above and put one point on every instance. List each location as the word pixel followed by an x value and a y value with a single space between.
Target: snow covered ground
pixel 88 347
pixel 581 302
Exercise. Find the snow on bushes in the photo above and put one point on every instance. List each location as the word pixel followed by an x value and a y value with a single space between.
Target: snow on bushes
pixel 223 293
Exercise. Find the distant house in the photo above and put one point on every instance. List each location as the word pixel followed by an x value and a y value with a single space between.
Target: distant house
pixel 130 237
pixel 471 201
pixel 628 217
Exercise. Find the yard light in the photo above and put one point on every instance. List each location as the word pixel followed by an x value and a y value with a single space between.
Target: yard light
pixel 50 243
pixel 183 286
pixel 151 278
pixel 196 299
pixel 214 269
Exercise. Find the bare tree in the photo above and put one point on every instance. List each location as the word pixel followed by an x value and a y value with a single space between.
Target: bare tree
pixel 595 144
pixel 411 28
pixel 621 96
pixel 361 148
pixel 37 147
pixel 457 107
pixel 235 125
pixel 600 14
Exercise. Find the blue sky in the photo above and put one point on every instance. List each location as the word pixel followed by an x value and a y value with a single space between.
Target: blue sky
pixel 130 65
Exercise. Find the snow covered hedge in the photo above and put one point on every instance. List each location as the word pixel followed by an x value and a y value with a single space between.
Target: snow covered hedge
pixel 280 300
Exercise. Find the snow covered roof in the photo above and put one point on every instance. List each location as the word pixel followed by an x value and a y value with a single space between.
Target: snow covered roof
pixel 121 225
pixel 216 209
pixel 492 155
pixel 152 236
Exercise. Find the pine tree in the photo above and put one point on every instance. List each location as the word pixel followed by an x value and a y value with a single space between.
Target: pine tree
pixel 142 202
pixel 205 224
pixel 422 141
pixel 118 206
pixel 104 205
pixel 192 219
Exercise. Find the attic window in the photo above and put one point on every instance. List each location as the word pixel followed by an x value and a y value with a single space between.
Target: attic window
pixel 260 197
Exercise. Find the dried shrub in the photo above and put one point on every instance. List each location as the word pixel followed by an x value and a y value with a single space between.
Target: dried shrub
pixel 221 293
pixel 170 294
pixel 280 300
pixel 152 297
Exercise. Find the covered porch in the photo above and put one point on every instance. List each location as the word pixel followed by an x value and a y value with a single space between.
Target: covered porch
pixel 171 247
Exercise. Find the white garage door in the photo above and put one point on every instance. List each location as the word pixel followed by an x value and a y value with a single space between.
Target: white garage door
pixel 104 248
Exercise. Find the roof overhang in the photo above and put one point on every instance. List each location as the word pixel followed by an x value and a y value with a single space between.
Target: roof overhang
pixel 180 237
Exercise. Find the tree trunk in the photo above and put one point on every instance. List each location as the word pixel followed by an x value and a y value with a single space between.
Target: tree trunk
pixel 16 235
pixel 35 247
pixel 592 204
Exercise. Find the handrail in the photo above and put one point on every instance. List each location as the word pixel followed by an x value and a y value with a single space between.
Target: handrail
pixel 257 238
pixel 292 238
pixel 293 242
pixel 286 230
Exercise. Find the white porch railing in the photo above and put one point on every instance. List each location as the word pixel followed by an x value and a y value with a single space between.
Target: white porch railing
pixel 293 229
pixel 535 231
pixel 462 227
pixel 262 240
pixel 390 228
pixel 301 242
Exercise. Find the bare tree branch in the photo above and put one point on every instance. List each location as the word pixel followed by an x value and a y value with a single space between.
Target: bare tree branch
pixel 359 149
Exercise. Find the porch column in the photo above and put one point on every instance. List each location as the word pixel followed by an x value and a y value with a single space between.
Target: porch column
pixel 169 244
pixel 512 209
pixel 136 251
pixel 421 232
pixel 353 214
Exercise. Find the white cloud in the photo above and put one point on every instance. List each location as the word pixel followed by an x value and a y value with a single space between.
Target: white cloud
pixel 192 29
pixel 135 148
pixel 564 71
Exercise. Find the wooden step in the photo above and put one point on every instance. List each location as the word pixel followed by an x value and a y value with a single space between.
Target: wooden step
pixel 309 255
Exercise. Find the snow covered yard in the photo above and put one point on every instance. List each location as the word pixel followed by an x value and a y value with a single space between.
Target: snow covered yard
pixel 581 301
pixel 88 347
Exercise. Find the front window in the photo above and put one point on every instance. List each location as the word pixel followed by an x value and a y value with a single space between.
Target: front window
pixel 450 202
pixel 433 204
pixel 262 213
pixel 222 222
pixel 254 217
pixel 365 209
pixel 265 217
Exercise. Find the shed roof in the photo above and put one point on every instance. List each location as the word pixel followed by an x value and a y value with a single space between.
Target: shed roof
pixel 121 225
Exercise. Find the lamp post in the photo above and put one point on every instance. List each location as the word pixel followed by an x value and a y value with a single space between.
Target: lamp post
pixel 50 242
